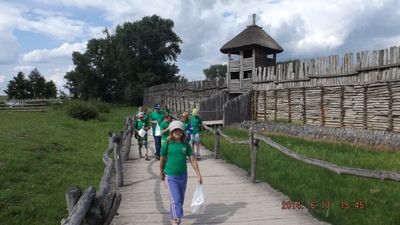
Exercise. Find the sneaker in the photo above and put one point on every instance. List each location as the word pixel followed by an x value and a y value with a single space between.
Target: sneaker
pixel 157 157
pixel 146 157
pixel 198 157
pixel 178 221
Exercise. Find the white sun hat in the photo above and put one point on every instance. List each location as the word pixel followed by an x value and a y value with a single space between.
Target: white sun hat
pixel 176 124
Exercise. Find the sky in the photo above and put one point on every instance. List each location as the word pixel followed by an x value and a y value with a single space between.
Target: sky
pixel 43 34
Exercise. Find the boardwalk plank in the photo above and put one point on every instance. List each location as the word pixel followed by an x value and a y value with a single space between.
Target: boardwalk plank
pixel 231 197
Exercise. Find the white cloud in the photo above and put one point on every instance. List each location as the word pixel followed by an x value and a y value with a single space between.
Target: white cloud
pixel 8 47
pixel 303 28
pixel 23 68
pixel 63 52
pixel 2 77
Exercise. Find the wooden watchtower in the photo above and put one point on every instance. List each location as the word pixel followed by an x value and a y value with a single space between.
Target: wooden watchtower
pixel 251 48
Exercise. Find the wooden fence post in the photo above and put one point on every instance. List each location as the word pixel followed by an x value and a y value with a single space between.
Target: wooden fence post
pixel 254 153
pixel 118 163
pixel 128 139
pixel 265 105
pixel 81 207
pixel 73 195
pixel 365 108
pixel 304 106
pixel 342 110
pixel 390 111
pixel 216 143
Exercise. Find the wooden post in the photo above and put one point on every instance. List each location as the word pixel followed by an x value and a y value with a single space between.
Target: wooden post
pixel 342 110
pixel 304 106
pixel 275 105
pixel 81 207
pixel 390 111
pixel 73 195
pixel 322 107
pixel 289 107
pixel 118 163
pixel 128 143
pixel 365 108
pixel 217 143
pixel 254 153
pixel 265 105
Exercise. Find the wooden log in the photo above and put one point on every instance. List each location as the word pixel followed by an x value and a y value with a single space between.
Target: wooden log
pixel 81 207
pixel 113 210
pixel 230 140
pixel 376 174
pixel 217 143
pixel 254 153
pixel 94 215
pixel 128 138
pixel 73 195
pixel 104 187
pixel 118 161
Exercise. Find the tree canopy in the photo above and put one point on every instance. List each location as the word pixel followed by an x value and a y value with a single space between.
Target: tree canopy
pixel 215 72
pixel 119 66
pixel 34 87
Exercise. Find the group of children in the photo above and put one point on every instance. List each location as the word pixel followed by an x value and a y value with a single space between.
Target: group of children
pixel 175 142
pixel 159 120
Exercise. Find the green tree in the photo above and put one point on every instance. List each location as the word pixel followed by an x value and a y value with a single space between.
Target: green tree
pixel 17 87
pixel 215 72
pixel 50 90
pixel 119 66
pixel 36 84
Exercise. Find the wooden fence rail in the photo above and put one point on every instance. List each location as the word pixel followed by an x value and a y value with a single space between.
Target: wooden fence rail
pixel 254 147
pixel 101 207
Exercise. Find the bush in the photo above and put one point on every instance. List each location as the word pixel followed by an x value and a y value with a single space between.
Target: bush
pixel 102 107
pixel 82 110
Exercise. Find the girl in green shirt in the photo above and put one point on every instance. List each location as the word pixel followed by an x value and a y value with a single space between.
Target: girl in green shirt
pixel 174 171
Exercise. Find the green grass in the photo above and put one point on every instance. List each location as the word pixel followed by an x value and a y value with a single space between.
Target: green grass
pixel 42 155
pixel 307 184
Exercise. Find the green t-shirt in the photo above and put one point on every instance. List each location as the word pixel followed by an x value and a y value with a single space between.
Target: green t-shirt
pixel 158 116
pixel 185 126
pixel 196 122
pixel 141 123
pixel 164 125
pixel 177 153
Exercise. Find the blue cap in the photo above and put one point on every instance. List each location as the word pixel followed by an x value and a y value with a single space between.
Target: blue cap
pixel 157 106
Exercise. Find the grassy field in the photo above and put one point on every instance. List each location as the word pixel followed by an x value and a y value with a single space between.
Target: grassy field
pixel 369 201
pixel 42 154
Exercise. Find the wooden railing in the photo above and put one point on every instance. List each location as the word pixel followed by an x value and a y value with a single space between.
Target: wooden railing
pixel 255 138
pixel 101 207
pixel 23 106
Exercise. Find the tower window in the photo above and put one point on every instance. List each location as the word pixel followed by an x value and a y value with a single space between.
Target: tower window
pixel 234 75
pixel 248 53
pixel 247 74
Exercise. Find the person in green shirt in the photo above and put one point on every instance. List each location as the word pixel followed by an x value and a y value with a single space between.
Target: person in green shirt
pixel 156 118
pixel 142 123
pixel 187 128
pixel 197 126
pixel 174 170
pixel 164 129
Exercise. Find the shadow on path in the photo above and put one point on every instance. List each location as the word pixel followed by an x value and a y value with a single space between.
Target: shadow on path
pixel 216 213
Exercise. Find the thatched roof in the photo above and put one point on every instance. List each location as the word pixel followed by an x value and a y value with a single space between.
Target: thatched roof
pixel 252 36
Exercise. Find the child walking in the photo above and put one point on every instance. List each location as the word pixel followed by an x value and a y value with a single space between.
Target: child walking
pixel 197 126
pixel 142 123
pixel 174 171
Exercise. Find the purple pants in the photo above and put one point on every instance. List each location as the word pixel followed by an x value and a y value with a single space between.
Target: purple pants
pixel 176 187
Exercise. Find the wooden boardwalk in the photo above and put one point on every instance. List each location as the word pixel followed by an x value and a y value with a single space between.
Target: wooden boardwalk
pixel 231 197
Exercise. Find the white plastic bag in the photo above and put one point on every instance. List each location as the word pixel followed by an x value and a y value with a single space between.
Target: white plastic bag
pixel 198 201
pixel 158 131
pixel 142 132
